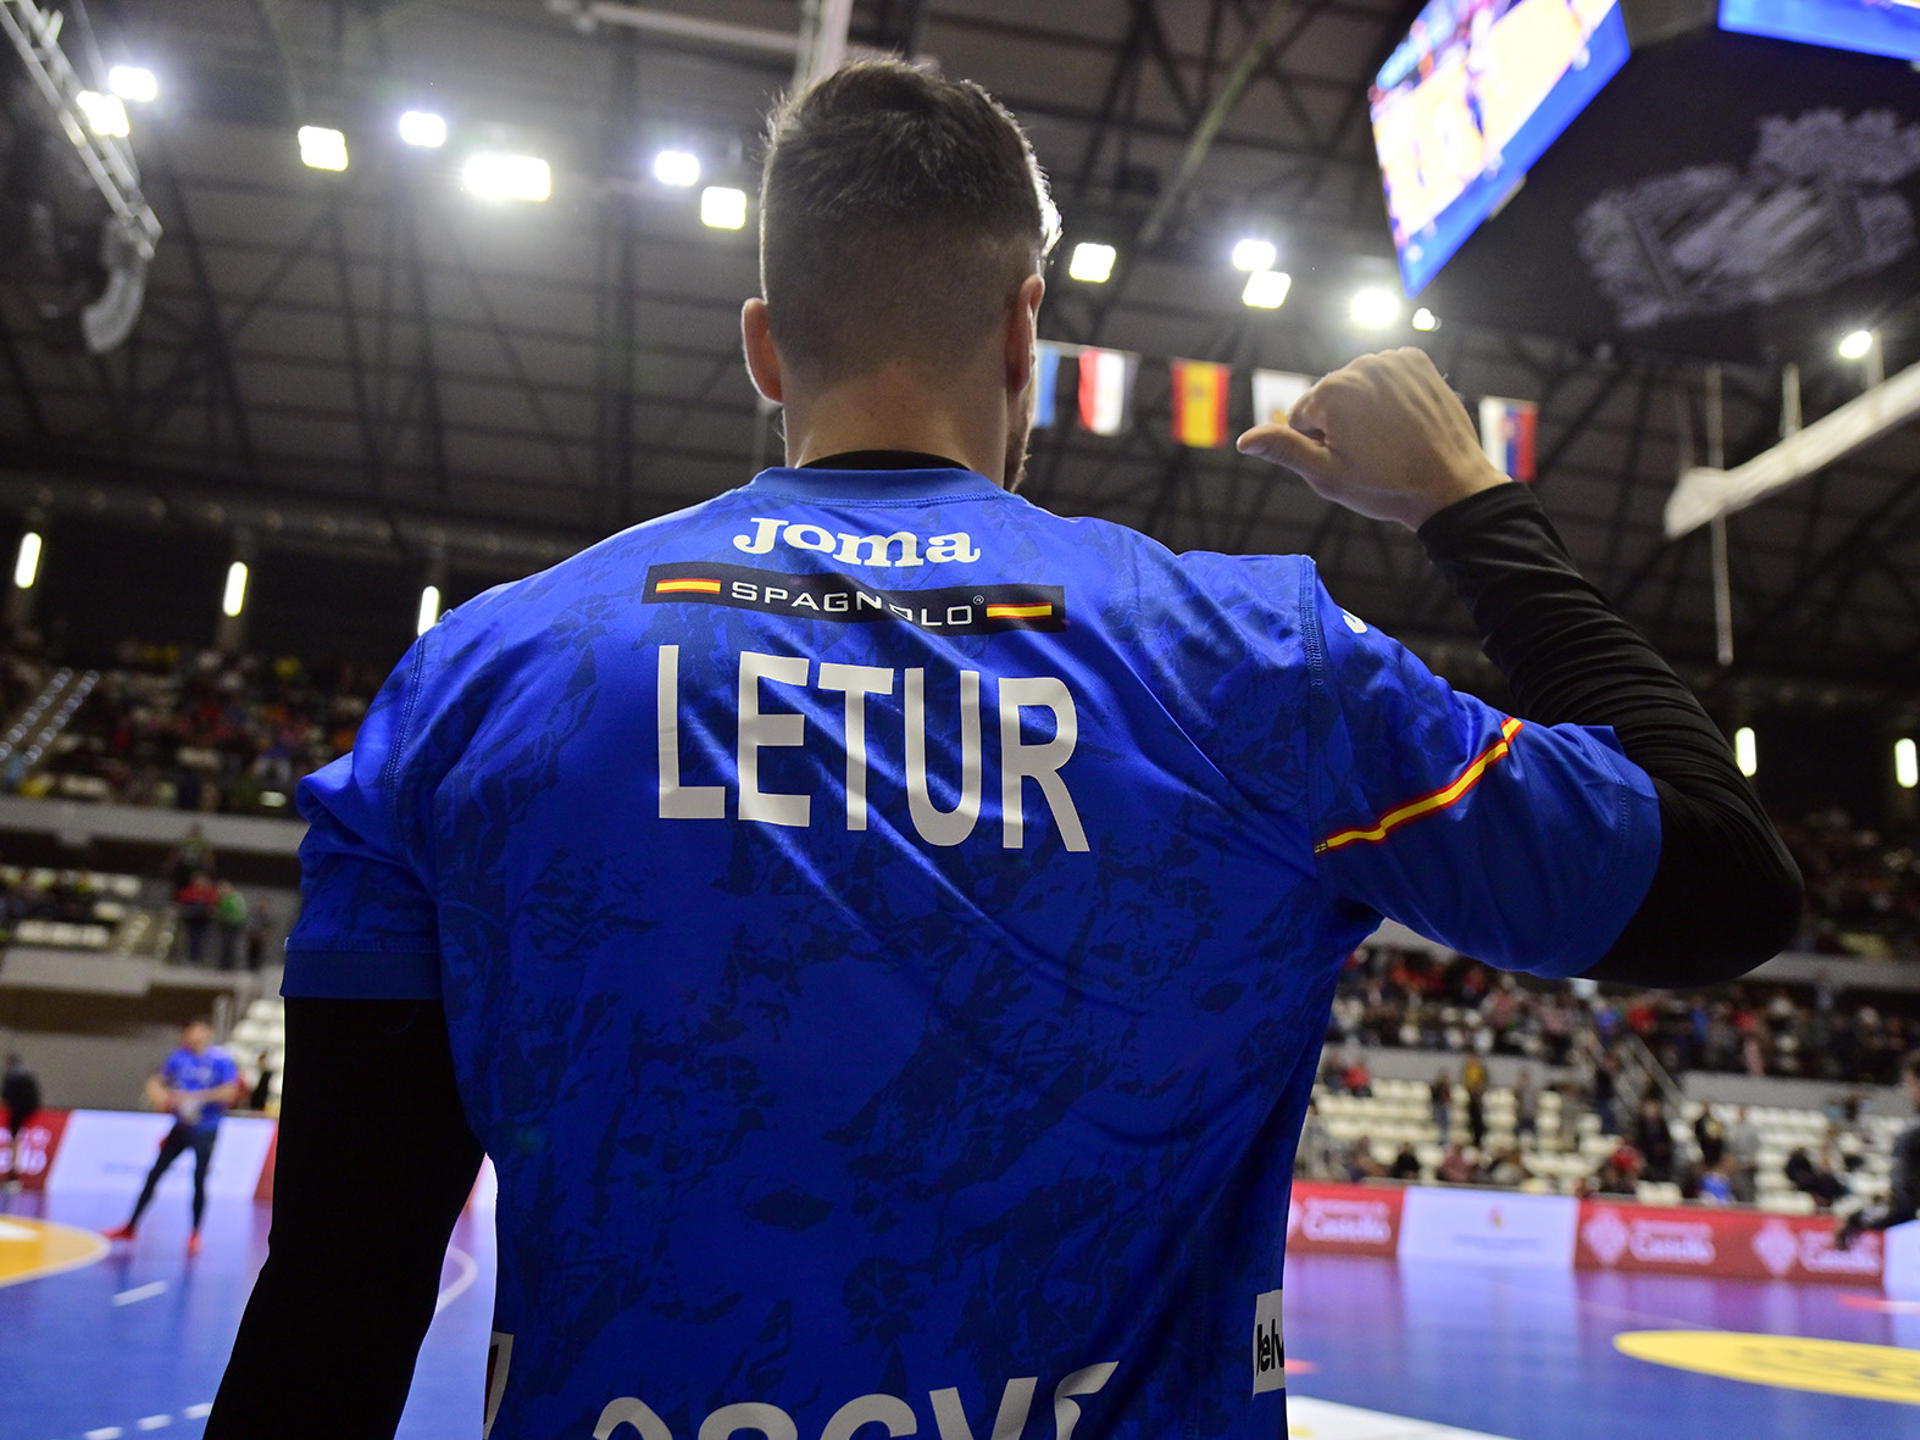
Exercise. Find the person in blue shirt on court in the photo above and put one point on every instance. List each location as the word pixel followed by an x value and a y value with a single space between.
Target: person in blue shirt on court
pixel 196 1085
pixel 883 932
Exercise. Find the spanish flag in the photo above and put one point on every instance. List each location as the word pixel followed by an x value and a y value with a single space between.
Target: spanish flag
pixel 1199 403
pixel 686 583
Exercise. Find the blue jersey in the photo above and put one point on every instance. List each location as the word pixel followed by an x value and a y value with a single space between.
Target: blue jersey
pixel 886 933
pixel 184 1070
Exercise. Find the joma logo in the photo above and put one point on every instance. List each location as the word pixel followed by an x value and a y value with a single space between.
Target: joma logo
pixel 884 552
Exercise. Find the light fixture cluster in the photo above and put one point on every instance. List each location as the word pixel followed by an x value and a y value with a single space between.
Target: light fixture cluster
pixel 1092 262
pixel 105 111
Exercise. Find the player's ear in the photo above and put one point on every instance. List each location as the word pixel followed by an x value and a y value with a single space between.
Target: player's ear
pixel 1022 330
pixel 763 361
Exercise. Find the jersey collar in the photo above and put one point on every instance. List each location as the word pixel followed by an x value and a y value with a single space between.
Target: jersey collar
pixel 821 483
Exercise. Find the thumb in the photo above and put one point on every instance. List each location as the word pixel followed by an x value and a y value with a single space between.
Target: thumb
pixel 1284 445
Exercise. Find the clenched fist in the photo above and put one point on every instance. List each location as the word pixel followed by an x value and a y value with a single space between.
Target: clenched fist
pixel 1383 436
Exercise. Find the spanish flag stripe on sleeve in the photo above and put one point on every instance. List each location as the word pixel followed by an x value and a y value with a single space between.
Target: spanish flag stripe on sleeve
pixel 674 587
pixel 1427 804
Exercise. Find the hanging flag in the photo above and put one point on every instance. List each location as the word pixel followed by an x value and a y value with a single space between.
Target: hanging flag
pixel 1506 434
pixel 1274 394
pixel 1046 381
pixel 1200 403
pixel 1106 389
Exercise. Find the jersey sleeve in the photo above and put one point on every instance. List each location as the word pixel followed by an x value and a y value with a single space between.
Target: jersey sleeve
pixel 368 929
pixel 1528 846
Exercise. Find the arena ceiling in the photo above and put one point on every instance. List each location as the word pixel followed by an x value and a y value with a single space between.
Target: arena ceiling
pixel 375 360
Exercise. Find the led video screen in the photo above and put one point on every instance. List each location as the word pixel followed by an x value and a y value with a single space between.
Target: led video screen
pixel 1470 100
pixel 1873 27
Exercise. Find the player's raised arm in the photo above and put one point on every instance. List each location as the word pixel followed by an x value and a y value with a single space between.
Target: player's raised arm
pixel 1633 852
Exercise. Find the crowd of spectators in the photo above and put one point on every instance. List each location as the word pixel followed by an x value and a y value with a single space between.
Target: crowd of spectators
pixel 197 730
pixel 1863 887
pixel 1409 1000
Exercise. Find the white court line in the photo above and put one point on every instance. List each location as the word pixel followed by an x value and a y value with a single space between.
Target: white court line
pixel 154 1422
pixel 107 1432
pixel 469 1272
pixel 197 1412
pixel 141 1292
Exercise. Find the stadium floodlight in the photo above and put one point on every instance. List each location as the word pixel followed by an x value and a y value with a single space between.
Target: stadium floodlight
pixel 1092 262
pixel 26 565
pixel 1424 320
pixel 1856 345
pixel 1267 289
pixel 1906 763
pixel 322 149
pixel 423 129
pixel 1373 308
pixel 494 176
pixel 1254 255
pixel 106 115
pixel 235 600
pixel 679 168
pixel 1746 753
pixel 135 83
pixel 723 208
pixel 429 610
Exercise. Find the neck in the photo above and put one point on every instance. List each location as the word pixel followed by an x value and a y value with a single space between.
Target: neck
pixel 895 409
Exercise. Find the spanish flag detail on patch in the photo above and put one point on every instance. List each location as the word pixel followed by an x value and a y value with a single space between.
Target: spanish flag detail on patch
pixel 1019 612
pixel 1427 804
pixel 675 587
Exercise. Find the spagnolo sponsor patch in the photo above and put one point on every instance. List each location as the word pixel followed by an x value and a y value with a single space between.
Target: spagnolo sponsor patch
pixel 948 609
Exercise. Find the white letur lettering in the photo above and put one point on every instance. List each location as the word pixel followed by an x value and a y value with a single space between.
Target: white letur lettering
pixel 677 801
pixel 858 681
pixel 937 826
pixel 758 729
pixel 949 745
pixel 1041 763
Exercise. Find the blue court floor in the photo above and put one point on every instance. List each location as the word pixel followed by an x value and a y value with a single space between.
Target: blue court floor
pixel 134 1343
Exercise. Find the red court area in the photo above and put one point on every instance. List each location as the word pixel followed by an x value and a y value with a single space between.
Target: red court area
pixel 1410 1315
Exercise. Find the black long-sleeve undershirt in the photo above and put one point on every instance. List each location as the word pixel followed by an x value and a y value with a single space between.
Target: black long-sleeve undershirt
pixel 376 1155
pixel 1726 895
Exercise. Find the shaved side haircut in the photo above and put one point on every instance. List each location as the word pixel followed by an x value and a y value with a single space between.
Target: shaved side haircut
pixel 899 213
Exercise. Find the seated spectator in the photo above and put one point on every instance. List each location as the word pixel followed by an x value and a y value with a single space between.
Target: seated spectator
pixel 1358 1079
pixel 1406 1164
pixel 1509 1169
pixel 1822 1184
pixel 1716 1185
pixel 1455 1168
pixel 1361 1166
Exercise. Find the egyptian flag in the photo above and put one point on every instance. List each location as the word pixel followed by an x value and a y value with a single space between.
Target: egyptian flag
pixel 1106 390
pixel 1506 434
pixel 1200 403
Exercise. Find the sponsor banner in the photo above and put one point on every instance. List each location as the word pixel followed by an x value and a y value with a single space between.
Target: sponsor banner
pixel 950 609
pixel 1487 1227
pixel 1343 1220
pixel 29 1155
pixel 1722 1244
pixel 105 1150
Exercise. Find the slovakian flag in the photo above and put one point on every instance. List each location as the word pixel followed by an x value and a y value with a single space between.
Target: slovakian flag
pixel 1046 381
pixel 1106 389
pixel 1275 393
pixel 1506 434
pixel 1200 403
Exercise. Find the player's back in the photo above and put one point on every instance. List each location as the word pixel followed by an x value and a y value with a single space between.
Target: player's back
pixel 884 951
pixel 877 978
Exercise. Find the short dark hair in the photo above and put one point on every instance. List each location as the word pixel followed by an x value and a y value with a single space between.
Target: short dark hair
pixel 899 212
